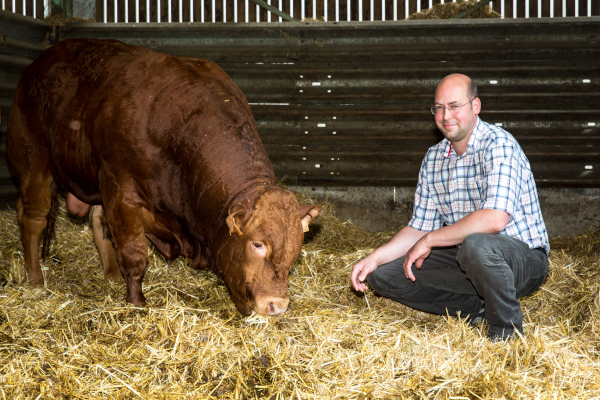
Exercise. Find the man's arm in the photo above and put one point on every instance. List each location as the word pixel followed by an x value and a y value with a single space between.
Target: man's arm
pixel 480 221
pixel 392 250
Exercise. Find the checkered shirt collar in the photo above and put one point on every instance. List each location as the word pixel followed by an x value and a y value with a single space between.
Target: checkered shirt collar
pixel 474 141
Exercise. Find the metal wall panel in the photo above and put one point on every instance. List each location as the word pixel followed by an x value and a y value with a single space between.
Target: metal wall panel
pixel 348 104
pixel 22 39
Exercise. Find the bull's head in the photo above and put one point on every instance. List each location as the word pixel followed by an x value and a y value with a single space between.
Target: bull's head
pixel 264 242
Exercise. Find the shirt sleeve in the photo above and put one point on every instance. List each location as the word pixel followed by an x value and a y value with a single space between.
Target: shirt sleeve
pixel 503 178
pixel 425 217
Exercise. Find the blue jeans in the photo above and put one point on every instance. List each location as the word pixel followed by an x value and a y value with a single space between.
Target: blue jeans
pixel 453 280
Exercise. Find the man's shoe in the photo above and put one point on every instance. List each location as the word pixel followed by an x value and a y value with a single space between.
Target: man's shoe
pixel 477 318
pixel 504 335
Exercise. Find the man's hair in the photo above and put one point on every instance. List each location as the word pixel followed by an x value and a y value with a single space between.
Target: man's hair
pixel 471 89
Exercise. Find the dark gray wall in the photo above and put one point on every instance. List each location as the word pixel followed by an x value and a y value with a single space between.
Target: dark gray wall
pixel 370 85
pixel 354 98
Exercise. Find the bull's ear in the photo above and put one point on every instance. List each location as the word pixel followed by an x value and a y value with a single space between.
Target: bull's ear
pixel 238 214
pixel 307 214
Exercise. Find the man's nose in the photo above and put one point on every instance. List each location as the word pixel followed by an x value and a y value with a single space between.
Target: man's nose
pixel 447 114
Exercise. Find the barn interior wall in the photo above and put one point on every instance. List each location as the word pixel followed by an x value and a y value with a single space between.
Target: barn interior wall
pixel 343 110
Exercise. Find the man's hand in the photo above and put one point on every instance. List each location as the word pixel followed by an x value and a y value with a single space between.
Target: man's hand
pixel 416 255
pixel 360 270
pixel 389 252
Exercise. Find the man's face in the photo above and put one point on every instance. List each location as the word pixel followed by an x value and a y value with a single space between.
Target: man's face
pixel 456 125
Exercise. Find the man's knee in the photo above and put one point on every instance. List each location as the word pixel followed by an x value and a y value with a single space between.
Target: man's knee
pixel 386 277
pixel 474 250
pixel 376 280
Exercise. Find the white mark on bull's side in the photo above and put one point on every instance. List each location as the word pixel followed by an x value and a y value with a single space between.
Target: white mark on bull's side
pixel 329 76
pixel 493 82
pixel 301 91
pixel 305 117
pixel 316 83
pixel 321 125
pixel 306 132
pixel 304 158
pixel 334 117
pixel 591 124
pixel 498 124
pixel 317 165
pixel 301 76
pixel 332 173
pixel 329 91
pixel 75 125
pixel 586 81
pixel 304 147
pixel 332 159
pixel 589 167
pixel 334 133
pixel 304 172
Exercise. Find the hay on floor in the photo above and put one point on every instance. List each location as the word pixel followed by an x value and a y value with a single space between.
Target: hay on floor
pixel 450 10
pixel 76 338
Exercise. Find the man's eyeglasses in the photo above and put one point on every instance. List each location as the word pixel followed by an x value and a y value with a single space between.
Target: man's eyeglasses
pixel 438 109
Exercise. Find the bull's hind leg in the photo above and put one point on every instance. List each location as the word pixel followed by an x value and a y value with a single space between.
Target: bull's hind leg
pixel 124 217
pixel 104 244
pixel 33 208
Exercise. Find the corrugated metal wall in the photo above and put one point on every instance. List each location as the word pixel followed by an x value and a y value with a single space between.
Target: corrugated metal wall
pixel 354 98
pixel 21 40
pixel 349 104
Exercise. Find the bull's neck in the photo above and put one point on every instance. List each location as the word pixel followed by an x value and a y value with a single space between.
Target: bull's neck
pixel 212 223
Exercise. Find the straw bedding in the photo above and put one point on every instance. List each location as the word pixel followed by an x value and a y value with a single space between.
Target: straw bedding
pixel 450 9
pixel 76 338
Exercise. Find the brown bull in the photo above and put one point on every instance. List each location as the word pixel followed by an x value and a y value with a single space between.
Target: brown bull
pixel 163 148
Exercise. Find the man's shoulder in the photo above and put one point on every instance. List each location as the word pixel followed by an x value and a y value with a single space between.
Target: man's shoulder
pixel 491 135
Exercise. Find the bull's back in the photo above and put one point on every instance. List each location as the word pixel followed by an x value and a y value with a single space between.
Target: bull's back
pixel 96 104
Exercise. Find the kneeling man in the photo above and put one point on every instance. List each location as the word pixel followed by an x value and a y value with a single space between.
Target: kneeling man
pixel 477 240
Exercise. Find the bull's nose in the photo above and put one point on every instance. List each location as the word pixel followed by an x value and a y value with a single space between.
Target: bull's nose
pixel 271 305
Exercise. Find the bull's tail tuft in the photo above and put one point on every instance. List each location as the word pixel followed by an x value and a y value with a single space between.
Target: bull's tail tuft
pixel 50 221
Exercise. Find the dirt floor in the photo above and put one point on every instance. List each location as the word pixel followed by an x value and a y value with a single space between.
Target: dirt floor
pixel 76 338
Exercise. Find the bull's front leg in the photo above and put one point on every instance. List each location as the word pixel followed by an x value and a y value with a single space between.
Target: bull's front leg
pixel 124 219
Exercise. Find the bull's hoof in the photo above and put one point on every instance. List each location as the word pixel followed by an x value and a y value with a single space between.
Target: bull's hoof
pixel 36 281
pixel 137 301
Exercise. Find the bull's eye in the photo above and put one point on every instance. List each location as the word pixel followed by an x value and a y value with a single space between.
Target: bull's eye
pixel 258 248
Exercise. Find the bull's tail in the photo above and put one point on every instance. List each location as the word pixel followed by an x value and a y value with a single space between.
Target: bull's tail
pixel 50 221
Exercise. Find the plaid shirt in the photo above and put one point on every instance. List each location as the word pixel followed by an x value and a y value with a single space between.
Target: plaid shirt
pixel 493 173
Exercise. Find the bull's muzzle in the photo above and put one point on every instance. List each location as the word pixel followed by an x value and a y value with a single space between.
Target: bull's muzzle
pixel 271 305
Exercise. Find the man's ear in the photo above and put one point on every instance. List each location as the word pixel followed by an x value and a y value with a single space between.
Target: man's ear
pixel 238 214
pixel 307 214
pixel 476 105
